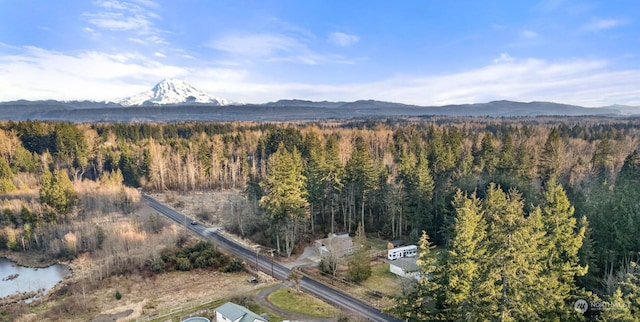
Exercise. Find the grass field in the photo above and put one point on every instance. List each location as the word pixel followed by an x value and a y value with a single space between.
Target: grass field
pixel 290 300
pixel 382 280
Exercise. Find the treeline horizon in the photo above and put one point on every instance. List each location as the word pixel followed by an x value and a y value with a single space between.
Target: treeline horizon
pixel 398 177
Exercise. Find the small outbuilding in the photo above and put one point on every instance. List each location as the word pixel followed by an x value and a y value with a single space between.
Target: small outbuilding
pixel 405 267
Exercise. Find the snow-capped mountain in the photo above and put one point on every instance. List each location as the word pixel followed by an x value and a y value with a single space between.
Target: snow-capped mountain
pixel 173 91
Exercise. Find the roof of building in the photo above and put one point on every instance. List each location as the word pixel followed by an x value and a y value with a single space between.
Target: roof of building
pixel 342 240
pixel 408 264
pixel 234 312
pixel 397 243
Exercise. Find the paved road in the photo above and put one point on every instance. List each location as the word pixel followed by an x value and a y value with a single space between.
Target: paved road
pixel 308 285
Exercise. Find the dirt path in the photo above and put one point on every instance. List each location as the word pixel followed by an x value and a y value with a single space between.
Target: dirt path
pixel 262 298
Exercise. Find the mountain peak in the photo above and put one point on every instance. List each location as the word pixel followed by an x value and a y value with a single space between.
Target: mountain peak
pixel 173 91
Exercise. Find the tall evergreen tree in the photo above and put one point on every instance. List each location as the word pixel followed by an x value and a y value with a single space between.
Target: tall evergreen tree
pixel 315 173
pixel 624 303
pixel 613 217
pixel 57 191
pixel 6 177
pixel 563 241
pixel 285 199
pixel 509 288
pixel 359 262
pixel 333 174
pixel 422 303
pixel 360 177
pixel 463 260
pixel 620 309
pixel 70 146
pixel 419 186
pixel 488 157
pixel 506 164
pixel 601 160
pixel 551 156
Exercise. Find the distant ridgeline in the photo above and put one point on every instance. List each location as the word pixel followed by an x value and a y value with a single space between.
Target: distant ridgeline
pixel 193 110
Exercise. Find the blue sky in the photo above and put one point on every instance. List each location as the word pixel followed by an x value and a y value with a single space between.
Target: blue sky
pixel 425 52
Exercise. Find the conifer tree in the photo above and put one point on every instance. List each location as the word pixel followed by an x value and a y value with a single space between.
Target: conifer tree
pixel 463 260
pixel 624 303
pixel 333 174
pixel 65 193
pixel 509 288
pixel 419 185
pixel 488 157
pixel 6 177
pixel 563 241
pixel 57 191
pixel 360 177
pixel 507 158
pixel 359 262
pixel 314 172
pixel 422 303
pixel 601 159
pixel 620 309
pixel 523 165
pixel 551 156
pixel 285 199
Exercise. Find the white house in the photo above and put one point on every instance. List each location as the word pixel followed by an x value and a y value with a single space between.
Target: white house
pixel 405 267
pixel 231 312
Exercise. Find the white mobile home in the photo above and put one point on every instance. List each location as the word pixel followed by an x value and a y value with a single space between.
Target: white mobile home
pixel 400 252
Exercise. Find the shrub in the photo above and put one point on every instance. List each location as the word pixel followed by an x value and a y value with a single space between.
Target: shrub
pixel 234 265
pixel 183 264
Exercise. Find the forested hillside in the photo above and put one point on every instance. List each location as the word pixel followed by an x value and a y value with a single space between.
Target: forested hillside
pixel 397 177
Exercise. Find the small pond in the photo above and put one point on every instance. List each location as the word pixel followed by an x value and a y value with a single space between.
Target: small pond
pixel 19 279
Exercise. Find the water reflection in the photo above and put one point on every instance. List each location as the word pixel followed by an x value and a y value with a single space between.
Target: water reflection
pixel 14 278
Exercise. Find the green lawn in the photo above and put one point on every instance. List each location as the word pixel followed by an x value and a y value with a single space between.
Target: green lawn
pixel 301 303
pixel 382 280
pixel 257 309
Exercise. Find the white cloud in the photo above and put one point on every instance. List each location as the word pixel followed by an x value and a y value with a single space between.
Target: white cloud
pixel 503 58
pixel 160 55
pixel 257 45
pixel 529 34
pixel 35 73
pixel 526 38
pixel 582 82
pixel 41 74
pixel 119 22
pixel 343 39
pixel 602 24
pixel 245 48
pixel 136 40
pixel 137 19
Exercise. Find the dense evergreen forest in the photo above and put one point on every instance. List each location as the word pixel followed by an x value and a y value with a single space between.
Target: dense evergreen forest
pixel 548 202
